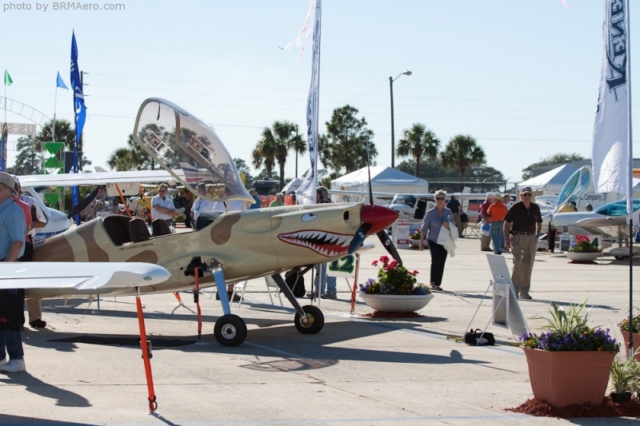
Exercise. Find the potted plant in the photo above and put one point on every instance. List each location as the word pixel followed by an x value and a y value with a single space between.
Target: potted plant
pixel 414 238
pixel 396 289
pixel 633 327
pixel 584 250
pixel 624 376
pixel 570 362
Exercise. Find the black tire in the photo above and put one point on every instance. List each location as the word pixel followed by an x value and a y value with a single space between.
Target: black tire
pixel 230 330
pixel 314 323
pixel 621 257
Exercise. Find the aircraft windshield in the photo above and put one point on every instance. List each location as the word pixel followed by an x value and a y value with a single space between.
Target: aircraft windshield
pixel 617 208
pixel 576 185
pixel 409 200
pixel 188 149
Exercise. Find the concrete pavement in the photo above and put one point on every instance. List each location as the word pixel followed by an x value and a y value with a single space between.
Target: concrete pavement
pixel 85 368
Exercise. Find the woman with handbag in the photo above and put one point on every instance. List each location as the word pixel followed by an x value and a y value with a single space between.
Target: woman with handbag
pixel 432 224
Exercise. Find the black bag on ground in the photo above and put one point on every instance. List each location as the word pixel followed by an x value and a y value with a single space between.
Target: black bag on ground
pixel 473 338
pixel 295 281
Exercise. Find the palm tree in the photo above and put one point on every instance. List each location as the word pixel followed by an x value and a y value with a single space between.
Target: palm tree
pixel 64 133
pixel 461 153
pixel 299 146
pixel 275 145
pixel 419 143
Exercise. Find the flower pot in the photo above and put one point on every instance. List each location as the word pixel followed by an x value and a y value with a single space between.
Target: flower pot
pixel 414 243
pixel 393 303
pixel 569 377
pixel 621 397
pixel 577 257
pixel 636 344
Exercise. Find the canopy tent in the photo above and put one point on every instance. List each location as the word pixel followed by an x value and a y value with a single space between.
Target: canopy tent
pixel 551 182
pixel 383 180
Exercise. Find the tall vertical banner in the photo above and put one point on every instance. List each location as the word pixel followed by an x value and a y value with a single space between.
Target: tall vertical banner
pixel 612 152
pixel 80 113
pixel 5 138
pixel 611 131
pixel 306 193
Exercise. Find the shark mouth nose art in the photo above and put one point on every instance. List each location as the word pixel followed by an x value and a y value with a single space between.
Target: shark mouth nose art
pixel 322 242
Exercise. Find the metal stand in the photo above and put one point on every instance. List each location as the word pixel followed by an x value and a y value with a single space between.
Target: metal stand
pixel 146 355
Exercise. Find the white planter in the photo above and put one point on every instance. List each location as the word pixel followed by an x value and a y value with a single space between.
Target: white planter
pixel 581 257
pixel 414 243
pixel 390 303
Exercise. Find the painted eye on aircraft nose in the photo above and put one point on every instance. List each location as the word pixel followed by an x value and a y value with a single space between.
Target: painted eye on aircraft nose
pixel 309 217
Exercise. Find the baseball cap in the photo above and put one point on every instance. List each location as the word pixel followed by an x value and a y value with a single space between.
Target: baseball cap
pixel 7 180
pixel 526 189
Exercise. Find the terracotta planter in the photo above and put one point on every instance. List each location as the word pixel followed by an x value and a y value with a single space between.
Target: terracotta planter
pixel 636 344
pixel 571 377
pixel 392 303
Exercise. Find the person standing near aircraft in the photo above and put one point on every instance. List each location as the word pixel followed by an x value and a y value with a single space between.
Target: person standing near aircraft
pixel 201 205
pixel 496 212
pixel 37 220
pixel 522 227
pixel 12 238
pixel 456 209
pixel 485 240
pixel 279 201
pixel 433 221
pixel 254 194
pixel 162 205
pixel 506 200
pixel 330 284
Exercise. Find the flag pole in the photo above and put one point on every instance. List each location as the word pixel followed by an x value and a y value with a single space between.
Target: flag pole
pixel 630 181
pixel 53 125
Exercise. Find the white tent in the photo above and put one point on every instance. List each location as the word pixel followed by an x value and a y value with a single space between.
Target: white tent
pixel 551 182
pixel 383 179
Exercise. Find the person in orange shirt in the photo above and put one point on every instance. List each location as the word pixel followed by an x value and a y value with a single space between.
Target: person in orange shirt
pixel 496 212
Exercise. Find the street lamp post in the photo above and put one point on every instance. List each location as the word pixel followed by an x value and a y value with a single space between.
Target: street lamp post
pixel 393 139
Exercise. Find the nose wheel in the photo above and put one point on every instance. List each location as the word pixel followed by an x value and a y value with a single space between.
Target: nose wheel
pixel 230 330
pixel 312 322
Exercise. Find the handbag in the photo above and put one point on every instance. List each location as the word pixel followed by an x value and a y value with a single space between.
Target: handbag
pixel 474 338
pixel 485 229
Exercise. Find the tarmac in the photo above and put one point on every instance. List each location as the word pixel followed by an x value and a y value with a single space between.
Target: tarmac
pixel 86 366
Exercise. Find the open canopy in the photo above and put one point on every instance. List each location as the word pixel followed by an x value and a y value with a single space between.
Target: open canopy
pixel 188 149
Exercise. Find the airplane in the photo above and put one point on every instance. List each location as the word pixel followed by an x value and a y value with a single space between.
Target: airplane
pixel 609 220
pixel 226 247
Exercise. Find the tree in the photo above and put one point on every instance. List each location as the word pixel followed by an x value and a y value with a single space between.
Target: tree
pixel 419 143
pixel 462 152
pixel 276 143
pixel 132 157
pixel 299 146
pixel 559 158
pixel 345 143
pixel 64 133
pixel 242 167
pixel 29 158
pixel 264 153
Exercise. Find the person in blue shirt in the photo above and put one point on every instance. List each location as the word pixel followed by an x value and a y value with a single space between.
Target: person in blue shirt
pixel 255 205
pixel 433 221
pixel 13 231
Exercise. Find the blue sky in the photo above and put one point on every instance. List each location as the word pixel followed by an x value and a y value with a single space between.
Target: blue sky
pixel 520 76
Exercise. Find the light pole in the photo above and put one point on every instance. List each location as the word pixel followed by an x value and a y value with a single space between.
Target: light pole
pixel 393 139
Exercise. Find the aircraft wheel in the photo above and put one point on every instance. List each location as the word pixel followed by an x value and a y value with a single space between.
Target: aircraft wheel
pixel 621 257
pixel 313 323
pixel 230 330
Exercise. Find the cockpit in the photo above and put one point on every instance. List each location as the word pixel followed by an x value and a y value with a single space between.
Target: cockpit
pixel 617 208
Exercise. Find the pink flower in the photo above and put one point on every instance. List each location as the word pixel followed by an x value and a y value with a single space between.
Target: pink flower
pixel 414 272
pixel 384 259
pixel 393 264
pixel 374 263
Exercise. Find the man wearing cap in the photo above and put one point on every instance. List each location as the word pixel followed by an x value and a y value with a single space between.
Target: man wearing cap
pixel 496 212
pixel 522 226
pixel 13 230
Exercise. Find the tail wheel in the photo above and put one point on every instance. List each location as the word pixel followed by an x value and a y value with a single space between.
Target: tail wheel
pixel 230 330
pixel 312 322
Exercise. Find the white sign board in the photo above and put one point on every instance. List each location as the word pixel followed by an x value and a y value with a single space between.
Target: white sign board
pixel 500 316
pixel 343 267
pixel 501 275
pixel 401 233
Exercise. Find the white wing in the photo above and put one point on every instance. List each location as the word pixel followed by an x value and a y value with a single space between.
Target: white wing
pixel 73 179
pixel 80 276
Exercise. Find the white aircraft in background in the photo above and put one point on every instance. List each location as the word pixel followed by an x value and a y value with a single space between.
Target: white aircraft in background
pixel 608 219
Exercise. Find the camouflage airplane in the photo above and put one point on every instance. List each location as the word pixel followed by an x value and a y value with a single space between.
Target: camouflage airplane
pixel 227 247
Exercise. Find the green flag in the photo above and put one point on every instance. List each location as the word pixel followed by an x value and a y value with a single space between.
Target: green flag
pixel 7 79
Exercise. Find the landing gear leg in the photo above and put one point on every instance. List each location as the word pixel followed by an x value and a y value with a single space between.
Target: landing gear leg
pixel 230 330
pixel 308 320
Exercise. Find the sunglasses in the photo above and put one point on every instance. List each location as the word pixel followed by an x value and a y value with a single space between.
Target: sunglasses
pixel 526 195
pixel 439 198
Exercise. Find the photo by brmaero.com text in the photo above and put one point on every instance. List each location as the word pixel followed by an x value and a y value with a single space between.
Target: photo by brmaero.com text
pixel 57 6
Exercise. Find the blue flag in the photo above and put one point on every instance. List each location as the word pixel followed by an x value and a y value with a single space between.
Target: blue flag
pixel 80 112
pixel 60 82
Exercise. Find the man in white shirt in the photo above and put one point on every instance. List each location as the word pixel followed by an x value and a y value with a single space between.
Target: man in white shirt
pixel 201 205
pixel 162 205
